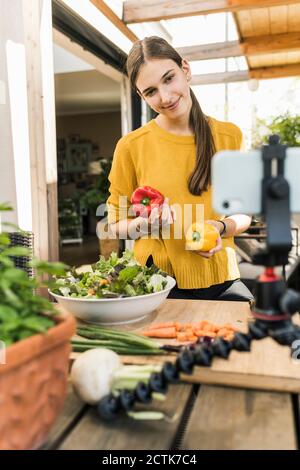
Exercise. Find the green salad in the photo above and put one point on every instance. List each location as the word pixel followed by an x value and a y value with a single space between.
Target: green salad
pixel 112 278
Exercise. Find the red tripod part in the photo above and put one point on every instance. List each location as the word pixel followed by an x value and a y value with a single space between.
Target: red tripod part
pixel 269 289
pixel 268 275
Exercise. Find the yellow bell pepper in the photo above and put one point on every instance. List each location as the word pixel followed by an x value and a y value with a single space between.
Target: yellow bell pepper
pixel 202 237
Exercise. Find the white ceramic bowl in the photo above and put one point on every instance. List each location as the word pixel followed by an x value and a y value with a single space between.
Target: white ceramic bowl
pixel 115 311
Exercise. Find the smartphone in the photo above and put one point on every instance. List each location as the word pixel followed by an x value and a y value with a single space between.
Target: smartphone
pixel 237 180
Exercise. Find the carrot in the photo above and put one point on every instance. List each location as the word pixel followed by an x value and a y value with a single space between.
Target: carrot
pixel 180 328
pixel 229 337
pixel 202 323
pixel 210 334
pixel 192 337
pixel 159 326
pixel 169 332
pixel 181 336
pixel 222 332
pixel 208 327
pixel 231 327
pixel 215 328
pixel 185 327
pixel 189 331
pixel 199 333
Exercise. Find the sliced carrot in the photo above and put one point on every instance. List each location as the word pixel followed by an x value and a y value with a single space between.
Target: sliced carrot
pixel 189 331
pixel 213 327
pixel 192 337
pixel 222 332
pixel 208 327
pixel 179 326
pixel 231 327
pixel 186 326
pixel 229 337
pixel 201 324
pixel 181 336
pixel 200 333
pixel 161 332
pixel 210 334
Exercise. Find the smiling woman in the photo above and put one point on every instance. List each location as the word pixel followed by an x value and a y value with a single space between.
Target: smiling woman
pixel 171 90
pixel 172 154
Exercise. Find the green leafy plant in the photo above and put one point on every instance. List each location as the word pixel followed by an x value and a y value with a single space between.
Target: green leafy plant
pixel 286 126
pixel 98 193
pixel 22 312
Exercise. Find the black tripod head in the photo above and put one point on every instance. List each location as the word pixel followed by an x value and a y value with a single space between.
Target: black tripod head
pixel 274 303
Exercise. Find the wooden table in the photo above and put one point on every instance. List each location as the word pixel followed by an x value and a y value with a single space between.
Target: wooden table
pixel 248 402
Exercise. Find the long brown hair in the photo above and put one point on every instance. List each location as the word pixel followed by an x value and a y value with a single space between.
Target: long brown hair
pixel 154 47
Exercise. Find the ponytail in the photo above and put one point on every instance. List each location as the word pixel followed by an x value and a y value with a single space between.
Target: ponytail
pixel 200 178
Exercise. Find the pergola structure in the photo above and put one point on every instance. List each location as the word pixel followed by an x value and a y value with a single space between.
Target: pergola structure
pixel 268 30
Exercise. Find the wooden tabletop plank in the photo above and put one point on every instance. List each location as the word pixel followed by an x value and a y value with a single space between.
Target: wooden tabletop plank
pixel 124 433
pixel 71 412
pixel 236 419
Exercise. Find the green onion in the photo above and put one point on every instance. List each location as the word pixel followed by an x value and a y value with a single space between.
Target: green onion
pixel 146 415
pixel 81 346
pixel 97 332
pixel 118 341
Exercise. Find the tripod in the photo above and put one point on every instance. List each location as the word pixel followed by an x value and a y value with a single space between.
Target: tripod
pixel 273 307
pixel 274 303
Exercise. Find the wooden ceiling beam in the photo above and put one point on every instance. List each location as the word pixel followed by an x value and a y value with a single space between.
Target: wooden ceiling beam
pixel 218 50
pixel 110 14
pixel 263 73
pixel 251 46
pixel 271 43
pixel 137 11
pixel 221 77
pixel 278 71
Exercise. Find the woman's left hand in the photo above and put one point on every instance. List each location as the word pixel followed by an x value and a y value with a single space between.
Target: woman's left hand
pixel 218 247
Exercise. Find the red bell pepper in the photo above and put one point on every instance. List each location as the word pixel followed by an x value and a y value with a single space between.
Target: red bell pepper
pixel 144 199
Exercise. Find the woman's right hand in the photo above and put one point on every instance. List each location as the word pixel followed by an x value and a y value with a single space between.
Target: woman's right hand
pixel 163 216
pixel 159 219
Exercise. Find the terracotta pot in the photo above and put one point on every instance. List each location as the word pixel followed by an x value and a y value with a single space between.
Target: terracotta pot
pixel 33 385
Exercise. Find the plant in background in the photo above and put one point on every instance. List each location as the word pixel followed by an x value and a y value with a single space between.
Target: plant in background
pixel 70 225
pixel 22 312
pixel 286 126
pixel 98 193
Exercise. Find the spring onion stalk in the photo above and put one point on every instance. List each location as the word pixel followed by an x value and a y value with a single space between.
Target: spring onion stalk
pixel 129 376
pixel 155 395
pixel 81 346
pixel 144 368
pixel 141 374
pixel 146 415
pixel 118 341
pixel 97 372
pixel 152 415
pixel 97 332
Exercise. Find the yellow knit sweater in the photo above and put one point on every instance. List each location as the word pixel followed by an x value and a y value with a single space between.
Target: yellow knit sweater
pixel 154 157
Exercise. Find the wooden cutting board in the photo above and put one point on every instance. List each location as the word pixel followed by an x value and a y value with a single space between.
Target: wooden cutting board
pixel 267 366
